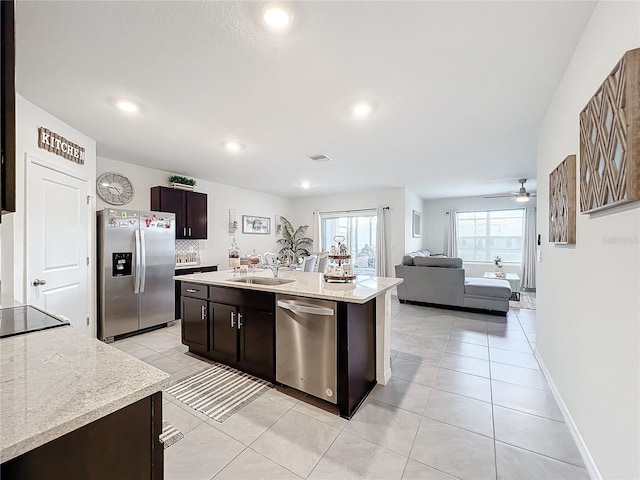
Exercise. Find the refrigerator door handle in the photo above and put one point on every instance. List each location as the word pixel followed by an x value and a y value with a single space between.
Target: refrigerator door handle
pixel 143 260
pixel 136 273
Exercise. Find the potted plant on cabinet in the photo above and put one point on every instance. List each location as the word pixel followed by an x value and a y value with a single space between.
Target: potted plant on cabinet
pixel 293 241
pixel 178 181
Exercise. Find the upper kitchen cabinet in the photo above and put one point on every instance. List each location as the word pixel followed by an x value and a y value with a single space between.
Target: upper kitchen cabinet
pixel 7 108
pixel 190 209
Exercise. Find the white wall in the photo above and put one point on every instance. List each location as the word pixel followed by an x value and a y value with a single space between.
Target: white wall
pixel 29 118
pixel 220 199
pixel 302 214
pixel 412 202
pixel 435 225
pixel 588 295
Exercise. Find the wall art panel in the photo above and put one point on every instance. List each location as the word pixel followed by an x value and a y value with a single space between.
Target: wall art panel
pixel 562 202
pixel 610 139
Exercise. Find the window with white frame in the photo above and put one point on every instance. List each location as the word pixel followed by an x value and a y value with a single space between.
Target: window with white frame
pixel 482 236
pixel 359 230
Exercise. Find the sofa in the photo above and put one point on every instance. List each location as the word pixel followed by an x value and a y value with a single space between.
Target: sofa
pixel 440 281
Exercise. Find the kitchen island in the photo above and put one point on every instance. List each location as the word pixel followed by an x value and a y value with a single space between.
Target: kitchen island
pixel 74 407
pixel 230 317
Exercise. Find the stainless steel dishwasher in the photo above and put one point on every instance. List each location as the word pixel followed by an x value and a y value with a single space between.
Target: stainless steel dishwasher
pixel 306 346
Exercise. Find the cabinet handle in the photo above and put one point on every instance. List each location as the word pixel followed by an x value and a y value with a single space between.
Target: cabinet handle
pixel 203 312
pixel 189 231
pixel 239 321
pixel 184 232
pixel 192 290
pixel 233 319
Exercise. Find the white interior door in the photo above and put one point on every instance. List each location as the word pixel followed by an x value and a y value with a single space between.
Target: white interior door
pixel 58 227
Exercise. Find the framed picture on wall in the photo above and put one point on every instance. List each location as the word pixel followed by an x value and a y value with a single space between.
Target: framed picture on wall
pixel 257 225
pixel 416 224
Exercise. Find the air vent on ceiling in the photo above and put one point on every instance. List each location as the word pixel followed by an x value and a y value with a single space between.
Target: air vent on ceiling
pixel 320 158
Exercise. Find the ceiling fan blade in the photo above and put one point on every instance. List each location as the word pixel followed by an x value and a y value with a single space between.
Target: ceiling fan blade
pixel 503 195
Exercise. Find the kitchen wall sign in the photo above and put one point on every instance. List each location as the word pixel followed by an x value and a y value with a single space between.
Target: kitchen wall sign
pixel 54 143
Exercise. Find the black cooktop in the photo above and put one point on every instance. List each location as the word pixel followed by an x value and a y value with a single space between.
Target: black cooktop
pixel 17 320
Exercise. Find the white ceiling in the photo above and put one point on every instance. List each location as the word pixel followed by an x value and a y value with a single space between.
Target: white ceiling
pixel 459 88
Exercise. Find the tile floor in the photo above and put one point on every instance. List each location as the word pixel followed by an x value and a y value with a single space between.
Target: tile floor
pixel 467 400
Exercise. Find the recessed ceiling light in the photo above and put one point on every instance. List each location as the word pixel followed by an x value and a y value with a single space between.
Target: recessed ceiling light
pixel 277 17
pixel 128 106
pixel 362 109
pixel 233 146
pixel 305 185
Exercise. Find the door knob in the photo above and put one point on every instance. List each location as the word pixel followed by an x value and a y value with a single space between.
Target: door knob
pixel 37 282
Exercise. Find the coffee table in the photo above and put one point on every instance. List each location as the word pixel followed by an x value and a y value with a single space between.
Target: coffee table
pixel 514 281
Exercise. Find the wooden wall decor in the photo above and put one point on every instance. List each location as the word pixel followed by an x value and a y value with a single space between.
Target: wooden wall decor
pixel 562 202
pixel 610 139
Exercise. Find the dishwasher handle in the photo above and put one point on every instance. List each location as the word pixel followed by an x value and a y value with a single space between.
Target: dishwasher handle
pixel 305 308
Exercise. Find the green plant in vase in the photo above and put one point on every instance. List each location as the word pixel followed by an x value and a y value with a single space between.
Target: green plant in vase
pixel 182 180
pixel 293 241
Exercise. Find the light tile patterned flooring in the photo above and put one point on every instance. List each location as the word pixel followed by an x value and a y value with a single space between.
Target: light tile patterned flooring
pixel 467 400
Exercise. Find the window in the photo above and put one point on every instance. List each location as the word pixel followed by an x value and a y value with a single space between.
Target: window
pixel 482 236
pixel 359 230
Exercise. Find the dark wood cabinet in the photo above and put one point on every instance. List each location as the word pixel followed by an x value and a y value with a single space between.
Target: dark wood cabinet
pixel 256 336
pixel 7 108
pixel 244 337
pixel 195 205
pixel 225 337
pixel 123 445
pixel 195 324
pixel 190 209
pixel 241 329
pixel 188 271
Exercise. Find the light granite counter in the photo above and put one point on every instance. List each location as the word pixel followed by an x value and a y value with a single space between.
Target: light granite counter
pixel 312 285
pixel 58 380
pixel 305 284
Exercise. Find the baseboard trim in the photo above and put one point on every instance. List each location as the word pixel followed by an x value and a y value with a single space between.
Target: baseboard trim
pixel 589 463
pixel 387 376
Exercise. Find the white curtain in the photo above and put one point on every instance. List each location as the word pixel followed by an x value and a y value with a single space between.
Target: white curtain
pixel 315 232
pixel 529 249
pixel 381 243
pixel 452 235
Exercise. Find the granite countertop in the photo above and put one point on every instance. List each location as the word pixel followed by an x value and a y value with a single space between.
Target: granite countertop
pixel 58 380
pixel 305 284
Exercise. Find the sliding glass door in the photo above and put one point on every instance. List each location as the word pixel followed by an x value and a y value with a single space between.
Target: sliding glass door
pixel 359 230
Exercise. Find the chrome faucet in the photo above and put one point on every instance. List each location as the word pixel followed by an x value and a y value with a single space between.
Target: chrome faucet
pixel 274 268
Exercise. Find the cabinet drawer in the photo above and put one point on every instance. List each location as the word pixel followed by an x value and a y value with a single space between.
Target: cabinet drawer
pixel 243 298
pixel 194 290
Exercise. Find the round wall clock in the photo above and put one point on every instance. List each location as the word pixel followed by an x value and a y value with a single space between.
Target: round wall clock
pixel 114 188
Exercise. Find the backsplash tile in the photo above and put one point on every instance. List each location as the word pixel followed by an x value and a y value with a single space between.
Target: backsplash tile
pixel 187 252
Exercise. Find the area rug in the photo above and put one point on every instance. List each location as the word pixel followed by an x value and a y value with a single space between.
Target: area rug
pixel 218 391
pixel 170 434
pixel 527 301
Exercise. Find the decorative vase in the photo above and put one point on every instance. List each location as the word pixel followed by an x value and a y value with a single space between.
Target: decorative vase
pixel 499 271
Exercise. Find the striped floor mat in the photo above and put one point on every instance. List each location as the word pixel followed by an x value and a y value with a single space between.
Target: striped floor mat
pixel 219 391
pixel 170 434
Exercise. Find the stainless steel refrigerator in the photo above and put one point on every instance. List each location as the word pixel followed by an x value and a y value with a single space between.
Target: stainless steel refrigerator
pixel 136 265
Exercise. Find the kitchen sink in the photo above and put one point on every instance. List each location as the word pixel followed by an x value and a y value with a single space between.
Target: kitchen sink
pixel 261 280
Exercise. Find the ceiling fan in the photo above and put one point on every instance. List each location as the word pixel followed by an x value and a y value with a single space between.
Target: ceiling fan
pixel 520 196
